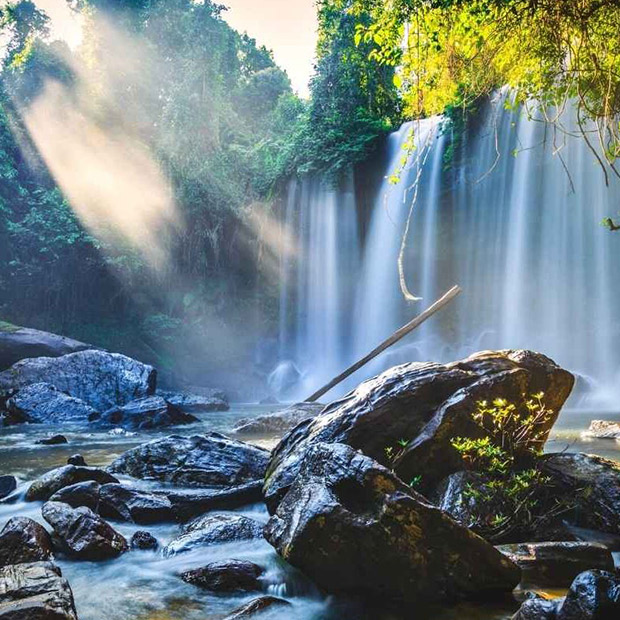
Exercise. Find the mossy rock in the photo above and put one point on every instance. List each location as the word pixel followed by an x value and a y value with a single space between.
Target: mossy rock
pixel 7 327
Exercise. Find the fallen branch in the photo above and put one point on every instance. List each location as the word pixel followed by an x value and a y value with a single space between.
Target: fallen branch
pixel 395 337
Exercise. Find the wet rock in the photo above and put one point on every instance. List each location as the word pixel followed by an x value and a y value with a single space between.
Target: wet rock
pixel 557 563
pixel 188 504
pixel 144 541
pixel 256 606
pixel 85 534
pixel 425 405
pixel 44 403
pixel 35 591
pixel 211 461
pixel 227 576
pixel 8 484
pixel 538 609
pixel 18 343
pixel 54 440
pixel 23 540
pixel 279 422
pixel 212 400
pixel 51 482
pixel 100 379
pixel 603 429
pixel 118 502
pixel 144 414
pixel 80 494
pixel 592 483
pixel 214 529
pixel 593 595
pixel 346 507
pixel 126 504
pixel 76 459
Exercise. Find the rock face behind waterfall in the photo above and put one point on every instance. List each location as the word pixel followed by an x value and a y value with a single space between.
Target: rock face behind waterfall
pixel 426 405
pixel 102 380
pixel 353 527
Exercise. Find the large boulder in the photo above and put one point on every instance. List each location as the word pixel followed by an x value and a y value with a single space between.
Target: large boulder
pixel 200 461
pixel 407 416
pixel 206 402
pixel 226 576
pixel 214 529
pixel 593 485
pixel 44 403
pixel 51 482
pixel 144 414
pixel 557 563
pixel 23 540
pixel 85 535
pixel 603 429
pixel 383 540
pixel 18 343
pixel 35 591
pixel 100 379
pixel 278 422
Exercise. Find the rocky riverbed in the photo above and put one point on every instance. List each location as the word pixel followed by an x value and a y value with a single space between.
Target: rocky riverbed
pixel 344 535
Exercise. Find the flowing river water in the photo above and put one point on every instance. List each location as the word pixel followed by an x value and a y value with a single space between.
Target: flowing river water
pixel 144 585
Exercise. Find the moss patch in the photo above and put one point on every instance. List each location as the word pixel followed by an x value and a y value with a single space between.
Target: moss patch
pixel 8 327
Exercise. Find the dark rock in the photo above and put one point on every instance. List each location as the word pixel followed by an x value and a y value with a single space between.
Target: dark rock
pixel 227 576
pixel 592 483
pixel 557 563
pixel 54 440
pixel 8 484
pixel 279 422
pixel 188 504
pixel 100 379
pixel 383 540
pixel 85 534
pixel 8 418
pixel 256 606
pixel 23 540
pixel 144 414
pixel 126 504
pixel 77 459
pixel 213 529
pixel 80 494
pixel 119 502
pixel 35 591
pixel 51 482
pixel 18 343
pixel 210 460
pixel 144 541
pixel 44 403
pixel 538 609
pixel 196 403
pixel 593 595
pixel 426 405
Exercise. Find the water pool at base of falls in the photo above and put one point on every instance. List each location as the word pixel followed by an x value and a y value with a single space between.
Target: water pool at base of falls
pixel 144 585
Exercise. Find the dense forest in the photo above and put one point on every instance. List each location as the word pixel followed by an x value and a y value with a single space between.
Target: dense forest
pixel 197 122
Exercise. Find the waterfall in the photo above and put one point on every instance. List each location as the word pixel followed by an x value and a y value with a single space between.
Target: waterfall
pixel 511 212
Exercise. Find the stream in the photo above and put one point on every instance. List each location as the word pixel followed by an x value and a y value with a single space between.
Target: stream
pixel 143 585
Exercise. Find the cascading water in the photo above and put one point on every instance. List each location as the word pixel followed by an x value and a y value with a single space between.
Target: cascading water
pixel 510 212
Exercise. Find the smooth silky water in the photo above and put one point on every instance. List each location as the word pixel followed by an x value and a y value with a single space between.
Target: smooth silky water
pixel 143 585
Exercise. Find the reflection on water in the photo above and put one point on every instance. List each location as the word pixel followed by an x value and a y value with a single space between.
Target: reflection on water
pixel 143 585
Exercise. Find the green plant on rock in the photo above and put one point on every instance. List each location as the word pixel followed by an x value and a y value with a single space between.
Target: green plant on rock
pixel 511 493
